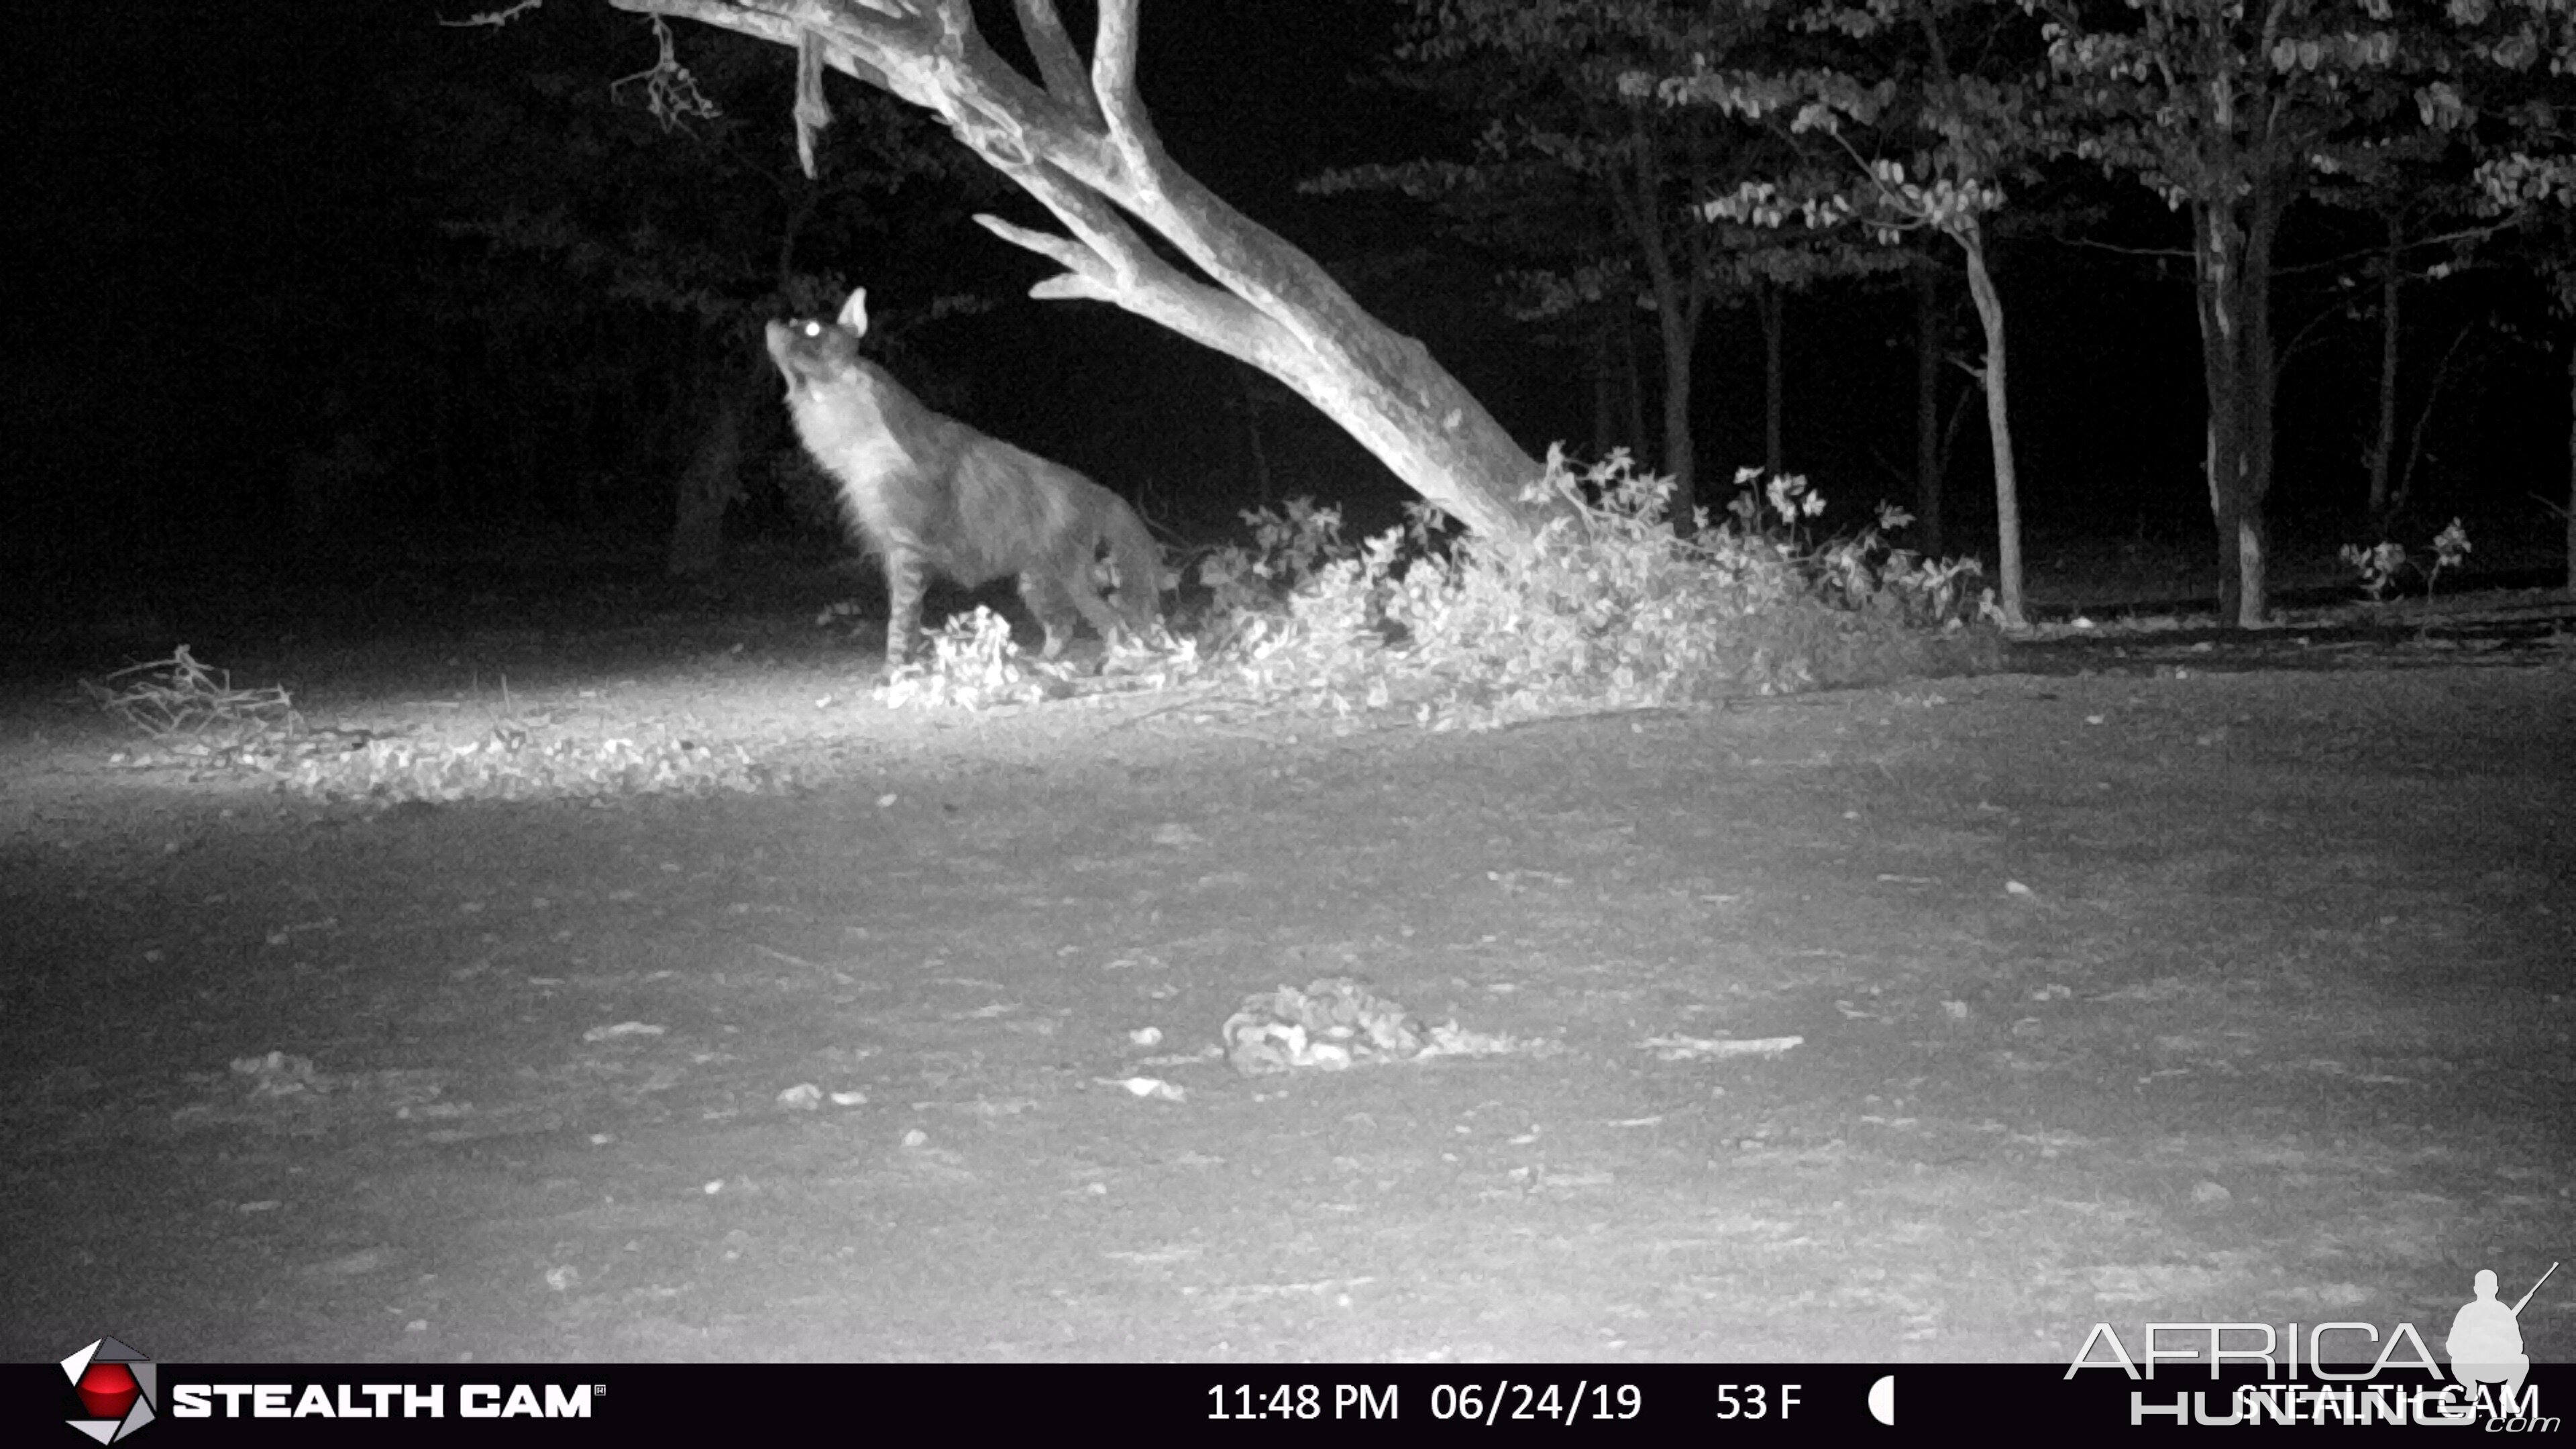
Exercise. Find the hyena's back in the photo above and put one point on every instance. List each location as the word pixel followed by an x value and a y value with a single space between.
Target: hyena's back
pixel 977 509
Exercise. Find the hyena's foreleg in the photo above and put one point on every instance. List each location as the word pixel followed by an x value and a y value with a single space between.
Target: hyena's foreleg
pixel 1084 587
pixel 907 579
pixel 1049 600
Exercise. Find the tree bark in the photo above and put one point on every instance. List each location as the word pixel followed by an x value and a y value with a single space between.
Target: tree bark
pixel 1083 145
pixel 1604 380
pixel 2231 243
pixel 1680 298
pixel 2383 447
pixel 2571 469
pixel 1632 379
pixel 1681 454
pixel 1996 380
pixel 1927 407
pixel 712 479
pixel 1771 303
pixel 1256 450
pixel 2263 374
pixel 2404 491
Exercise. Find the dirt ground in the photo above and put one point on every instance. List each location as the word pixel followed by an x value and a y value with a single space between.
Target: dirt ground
pixel 2139 994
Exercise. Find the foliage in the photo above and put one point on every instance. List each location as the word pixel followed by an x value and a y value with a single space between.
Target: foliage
pixel 974 664
pixel 1885 134
pixel 2235 109
pixel 2380 566
pixel 1891 138
pixel 2189 94
pixel 515 763
pixel 1591 191
pixel 1289 545
pixel 1605 607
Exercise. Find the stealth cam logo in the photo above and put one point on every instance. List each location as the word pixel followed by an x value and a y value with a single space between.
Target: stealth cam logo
pixel 116 1384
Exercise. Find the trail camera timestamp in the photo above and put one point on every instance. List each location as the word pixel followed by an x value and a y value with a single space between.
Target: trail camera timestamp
pixel 1338 1402
pixel 1475 1401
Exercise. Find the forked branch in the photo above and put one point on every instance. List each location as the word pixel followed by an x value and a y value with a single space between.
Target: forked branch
pixel 1083 145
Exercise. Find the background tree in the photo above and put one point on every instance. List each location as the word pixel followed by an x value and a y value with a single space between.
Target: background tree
pixel 1593 189
pixel 1548 241
pixel 2228 110
pixel 1898 140
pixel 2530 179
pixel 2418 199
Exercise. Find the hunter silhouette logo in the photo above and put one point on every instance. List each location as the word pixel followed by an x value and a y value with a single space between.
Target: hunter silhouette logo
pixel 2486 1338
pixel 117 1385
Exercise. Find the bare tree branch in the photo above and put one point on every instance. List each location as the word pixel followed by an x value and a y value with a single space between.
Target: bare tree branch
pixel 1113 78
pixel 1087 150
pixel 1058 63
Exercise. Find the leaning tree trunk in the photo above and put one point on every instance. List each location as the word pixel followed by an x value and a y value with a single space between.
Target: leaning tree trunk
pixel 1990 317
pixel 1083 145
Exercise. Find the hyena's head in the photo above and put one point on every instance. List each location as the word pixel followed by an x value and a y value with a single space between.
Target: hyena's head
pixel 814 353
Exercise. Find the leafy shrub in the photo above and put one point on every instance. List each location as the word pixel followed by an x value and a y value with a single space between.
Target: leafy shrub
pixel 974 664
pixel 2380 566
pixel 1605 608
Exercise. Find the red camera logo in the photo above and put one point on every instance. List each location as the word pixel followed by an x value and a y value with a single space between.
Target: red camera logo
pixel 117 1385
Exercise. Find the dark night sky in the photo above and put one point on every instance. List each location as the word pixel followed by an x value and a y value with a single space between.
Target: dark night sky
pixel 225 218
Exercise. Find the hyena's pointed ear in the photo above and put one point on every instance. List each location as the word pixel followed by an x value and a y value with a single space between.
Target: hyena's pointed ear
pixel 854 312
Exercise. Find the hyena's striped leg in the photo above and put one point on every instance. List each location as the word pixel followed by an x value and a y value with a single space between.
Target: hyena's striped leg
pixel 907 576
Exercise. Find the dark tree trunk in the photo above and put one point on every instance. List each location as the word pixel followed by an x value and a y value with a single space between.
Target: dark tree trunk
pixel 2232 246
pixel 1681 460
pixel 1927 408
pixel 1771 301
pixel 1256 450
pixel 1605 395
pixel 1997 383
pixel 1680 299
pixel 711 481
pixel 1632 380
pixel 2383 446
